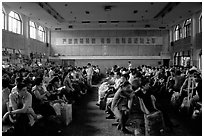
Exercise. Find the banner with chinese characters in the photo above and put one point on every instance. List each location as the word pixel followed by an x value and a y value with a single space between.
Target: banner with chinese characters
pixel 110 41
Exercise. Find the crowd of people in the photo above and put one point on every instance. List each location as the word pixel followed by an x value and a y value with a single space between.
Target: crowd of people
pixel 30 93
pixel 153 89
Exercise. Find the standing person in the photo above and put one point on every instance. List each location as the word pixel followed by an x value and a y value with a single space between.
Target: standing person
pixel 89 72
pixel 120 104
pixel 129 65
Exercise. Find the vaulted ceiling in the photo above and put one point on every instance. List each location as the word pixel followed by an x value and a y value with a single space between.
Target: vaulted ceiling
pixel 106 15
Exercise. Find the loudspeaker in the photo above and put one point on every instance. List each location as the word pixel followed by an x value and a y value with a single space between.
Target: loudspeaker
pixel 47 44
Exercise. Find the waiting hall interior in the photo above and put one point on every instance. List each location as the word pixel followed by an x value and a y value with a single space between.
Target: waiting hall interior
pixel 102 68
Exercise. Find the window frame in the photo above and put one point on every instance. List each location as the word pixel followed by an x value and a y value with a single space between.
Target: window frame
pixel 200 23
pixel 41 30
pixel 187 28
pixel 17 22
pixel 33 28
pixel 4 19
pixel 177 32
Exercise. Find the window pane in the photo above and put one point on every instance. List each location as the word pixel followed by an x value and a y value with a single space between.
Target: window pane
pixel 3 20
pixel 200 22
pixel 32 30
pixel 11 14
pixel 15 23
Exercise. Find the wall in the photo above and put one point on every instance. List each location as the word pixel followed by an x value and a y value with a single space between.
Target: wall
pixel 16 41
pixel 192 43
pixel 111 49
pixel 107 55
pixel 23 41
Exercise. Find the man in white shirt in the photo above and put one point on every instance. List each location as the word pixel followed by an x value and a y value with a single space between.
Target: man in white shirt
pixel 89 72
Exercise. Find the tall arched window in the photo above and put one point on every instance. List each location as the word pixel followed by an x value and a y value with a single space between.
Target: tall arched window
pixel 177 33
pixel 200 23
pixel 4 20
pixel 41 33
pixel 187 28
pixel 15 23
pixel 32 30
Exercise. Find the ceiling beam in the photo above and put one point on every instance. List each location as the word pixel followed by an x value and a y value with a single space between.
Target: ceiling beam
pixel 169 7
pixel 51 11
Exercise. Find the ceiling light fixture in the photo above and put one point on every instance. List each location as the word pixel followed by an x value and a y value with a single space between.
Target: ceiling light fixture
pixel 135 11
pixel 107 8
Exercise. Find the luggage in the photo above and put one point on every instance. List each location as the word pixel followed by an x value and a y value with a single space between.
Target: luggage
pixel 66 113
pixel 154 124
pixel 57 108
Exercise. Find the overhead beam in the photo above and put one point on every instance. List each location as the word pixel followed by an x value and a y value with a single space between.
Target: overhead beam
pixel 169 7
pixel 51 11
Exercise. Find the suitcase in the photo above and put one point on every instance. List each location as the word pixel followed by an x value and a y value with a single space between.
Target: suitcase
pixel 154 124
pixel 66 113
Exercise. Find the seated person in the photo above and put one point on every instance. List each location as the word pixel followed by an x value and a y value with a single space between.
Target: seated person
pixel 38 90
pixel 5 95
pixel 41 105
pixel 21 105
pixel 119 79
pixel 52 88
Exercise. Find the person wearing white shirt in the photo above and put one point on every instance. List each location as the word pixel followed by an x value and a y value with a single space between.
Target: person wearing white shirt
pixel 89 72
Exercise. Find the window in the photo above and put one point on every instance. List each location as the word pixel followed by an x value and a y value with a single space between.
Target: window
pixel 200 23
pixel 75 41
pixel 70 41
pixel 87 40
pixel 135 40
pixel 177 33
pixel 141 40
pixel 102 40
pixel 81 40
pixel 117 40
pixel 41 33
pixel 32 30
pixel 108 40
pixel 148 41
pixel 64 41
pixel 187 28
pixel 15 23
pixel 93 40
pixel 4 20
pixel 129 40
pixel 123 40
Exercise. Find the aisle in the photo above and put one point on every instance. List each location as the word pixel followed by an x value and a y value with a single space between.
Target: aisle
pixel 88 120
